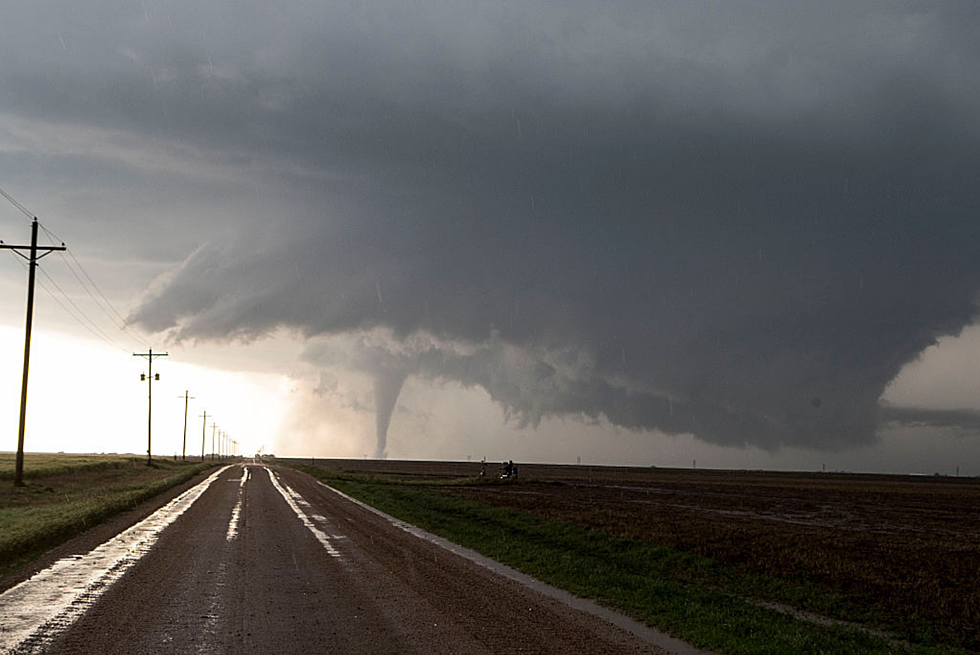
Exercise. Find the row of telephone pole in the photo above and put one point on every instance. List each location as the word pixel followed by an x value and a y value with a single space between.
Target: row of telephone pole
pixel 222 445
pixel 32 254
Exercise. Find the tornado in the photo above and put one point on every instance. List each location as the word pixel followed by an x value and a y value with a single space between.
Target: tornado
pixel 387 386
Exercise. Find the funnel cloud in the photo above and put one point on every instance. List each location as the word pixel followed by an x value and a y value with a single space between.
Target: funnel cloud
pixel 387 386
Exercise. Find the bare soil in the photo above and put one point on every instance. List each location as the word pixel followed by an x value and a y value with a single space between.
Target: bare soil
pixel 909 545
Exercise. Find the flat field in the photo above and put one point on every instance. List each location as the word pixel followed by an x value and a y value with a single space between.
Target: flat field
pixel 901 553
pixel 47 465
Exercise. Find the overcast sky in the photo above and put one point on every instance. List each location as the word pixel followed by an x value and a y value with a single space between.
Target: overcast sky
pixel 642 231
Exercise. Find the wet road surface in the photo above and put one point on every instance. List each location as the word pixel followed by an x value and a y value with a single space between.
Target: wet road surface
pixel 266 560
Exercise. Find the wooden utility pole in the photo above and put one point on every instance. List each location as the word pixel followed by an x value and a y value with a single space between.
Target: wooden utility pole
pixel 32 260
pixel 204 427
pixel 186 398
pixel 214 426
pixel 149 404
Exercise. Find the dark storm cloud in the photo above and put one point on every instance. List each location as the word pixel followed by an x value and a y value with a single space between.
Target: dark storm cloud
pixel 737 222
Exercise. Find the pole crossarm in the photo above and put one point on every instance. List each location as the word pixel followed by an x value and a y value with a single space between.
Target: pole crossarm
pixel 47 249
pixel 153 354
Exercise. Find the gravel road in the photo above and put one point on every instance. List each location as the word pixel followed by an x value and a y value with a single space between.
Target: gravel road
pixel 266 560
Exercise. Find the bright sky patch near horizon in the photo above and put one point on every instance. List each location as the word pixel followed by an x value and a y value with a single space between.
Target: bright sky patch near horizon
pixel 647 233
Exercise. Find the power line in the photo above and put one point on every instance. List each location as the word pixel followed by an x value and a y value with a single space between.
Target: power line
pixel 82 320
pixel 117 319
pixel 114 316
pixel 94 326
pixel 112 313
pixel 98 334
pixel 19 206
pixel 49 232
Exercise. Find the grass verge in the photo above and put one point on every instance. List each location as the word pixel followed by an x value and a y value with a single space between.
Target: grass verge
pixel 689 596
pixel 64 498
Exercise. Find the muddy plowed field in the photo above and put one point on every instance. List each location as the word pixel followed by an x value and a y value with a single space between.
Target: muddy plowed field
pixel 909 545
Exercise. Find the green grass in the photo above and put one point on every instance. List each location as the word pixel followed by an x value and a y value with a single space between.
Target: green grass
pixel 41 465
pixel 66 495
pixel 692 597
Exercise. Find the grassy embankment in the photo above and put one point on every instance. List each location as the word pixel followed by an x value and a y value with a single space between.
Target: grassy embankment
pixel 695 598
pixel 67 494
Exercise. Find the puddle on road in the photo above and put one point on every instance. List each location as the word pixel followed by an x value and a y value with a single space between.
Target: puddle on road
pixel 38 609
pixel 297 503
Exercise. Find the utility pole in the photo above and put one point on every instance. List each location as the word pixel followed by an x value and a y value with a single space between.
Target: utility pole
pixel 204 427
pixel 214 426
pixel 32 260
pixel 149 403
pixel 186 398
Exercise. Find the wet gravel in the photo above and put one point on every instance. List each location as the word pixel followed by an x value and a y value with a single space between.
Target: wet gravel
pixel 273 586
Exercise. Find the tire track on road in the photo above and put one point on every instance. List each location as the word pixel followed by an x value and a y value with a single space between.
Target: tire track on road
pixel 297 503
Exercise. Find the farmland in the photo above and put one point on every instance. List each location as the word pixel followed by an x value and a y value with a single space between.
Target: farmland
pixel 894 553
